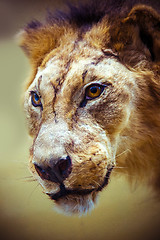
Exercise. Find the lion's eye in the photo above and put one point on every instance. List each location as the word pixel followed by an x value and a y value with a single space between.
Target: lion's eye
pixel 36 99
pixel 94 91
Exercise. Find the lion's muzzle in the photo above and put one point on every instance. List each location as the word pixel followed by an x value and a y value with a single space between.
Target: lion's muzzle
pixel 63 192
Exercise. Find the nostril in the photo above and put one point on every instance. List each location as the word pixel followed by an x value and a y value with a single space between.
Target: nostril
pixel 64 167
pixel 41 172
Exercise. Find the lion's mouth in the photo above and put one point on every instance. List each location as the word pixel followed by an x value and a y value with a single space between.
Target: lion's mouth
pixel 65 192
pixel 79 192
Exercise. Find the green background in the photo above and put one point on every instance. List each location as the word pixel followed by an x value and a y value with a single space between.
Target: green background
pixel 122 212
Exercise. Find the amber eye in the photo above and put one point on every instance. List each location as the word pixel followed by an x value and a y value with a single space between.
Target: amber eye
pixel 36 99
pixel 94 91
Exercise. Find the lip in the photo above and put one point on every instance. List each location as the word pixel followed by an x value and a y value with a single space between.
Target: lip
pixel 64 192
pixel 80 192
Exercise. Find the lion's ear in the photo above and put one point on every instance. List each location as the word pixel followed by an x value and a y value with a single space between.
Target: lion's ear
pixel 37 40
pixel 141 30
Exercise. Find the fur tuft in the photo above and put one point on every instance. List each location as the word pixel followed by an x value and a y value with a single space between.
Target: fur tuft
pixel 33 25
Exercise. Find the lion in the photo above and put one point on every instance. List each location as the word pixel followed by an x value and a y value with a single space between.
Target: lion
pixel 92 102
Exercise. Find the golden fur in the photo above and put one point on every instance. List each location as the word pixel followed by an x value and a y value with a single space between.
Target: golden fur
pixel 120 129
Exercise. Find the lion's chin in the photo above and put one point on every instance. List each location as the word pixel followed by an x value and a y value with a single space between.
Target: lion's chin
pixel 77 201
pixel 76 204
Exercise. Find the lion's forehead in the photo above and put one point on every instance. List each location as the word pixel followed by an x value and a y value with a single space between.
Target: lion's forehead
pixel 79 70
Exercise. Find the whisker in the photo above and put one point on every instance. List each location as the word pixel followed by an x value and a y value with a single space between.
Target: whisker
pixel 114 168
pixel 32 192
pixel 24 177
pixel 96 183
pixel 21 162
pixel 120 154
pixel 27 179
pixel 31 180
pixel 119 167
pixel 126 174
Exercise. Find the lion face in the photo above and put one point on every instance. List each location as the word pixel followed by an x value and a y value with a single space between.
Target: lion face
pixel 93 95
pixel 77 108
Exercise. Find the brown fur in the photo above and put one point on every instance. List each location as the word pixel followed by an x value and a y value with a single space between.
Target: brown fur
pixel 126 117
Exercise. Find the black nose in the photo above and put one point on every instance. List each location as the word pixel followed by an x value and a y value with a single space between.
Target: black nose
pixel 58 172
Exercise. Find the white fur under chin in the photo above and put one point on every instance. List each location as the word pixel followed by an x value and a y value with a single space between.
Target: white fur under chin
pixel 79 205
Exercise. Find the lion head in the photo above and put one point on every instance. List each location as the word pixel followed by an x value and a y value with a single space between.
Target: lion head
pixel 92 100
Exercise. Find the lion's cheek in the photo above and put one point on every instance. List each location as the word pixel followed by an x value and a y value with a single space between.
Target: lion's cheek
pixel 113 119
pixel 90 165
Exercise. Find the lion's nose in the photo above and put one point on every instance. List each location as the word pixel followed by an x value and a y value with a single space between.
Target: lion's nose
pixel 57 172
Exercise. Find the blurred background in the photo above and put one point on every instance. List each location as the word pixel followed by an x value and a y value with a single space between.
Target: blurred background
pixel 122 212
